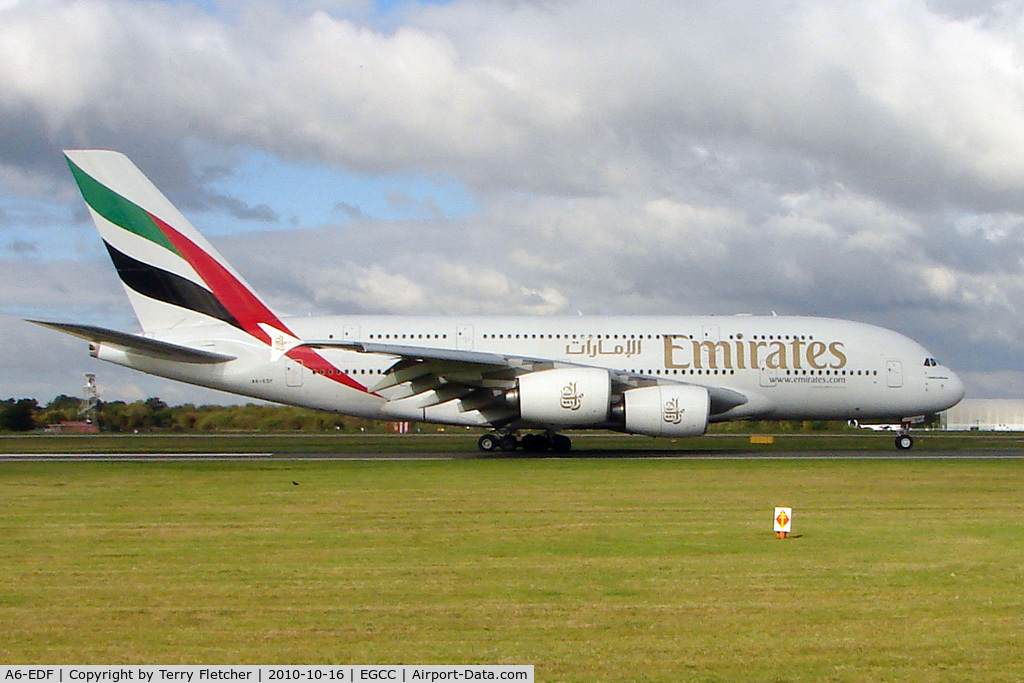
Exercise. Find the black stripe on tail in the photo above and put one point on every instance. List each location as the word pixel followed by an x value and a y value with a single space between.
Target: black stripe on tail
pixel 164 286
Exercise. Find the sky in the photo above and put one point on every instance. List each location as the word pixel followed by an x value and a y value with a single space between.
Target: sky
pixel 862 160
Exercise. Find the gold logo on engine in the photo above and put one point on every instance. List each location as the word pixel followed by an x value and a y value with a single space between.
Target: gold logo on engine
pixel 571 398
pixel 672 413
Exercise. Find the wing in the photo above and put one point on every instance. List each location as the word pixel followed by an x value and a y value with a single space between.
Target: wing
pixel 469 387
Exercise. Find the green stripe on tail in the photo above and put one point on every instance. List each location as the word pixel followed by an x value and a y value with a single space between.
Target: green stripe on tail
pixel 119 210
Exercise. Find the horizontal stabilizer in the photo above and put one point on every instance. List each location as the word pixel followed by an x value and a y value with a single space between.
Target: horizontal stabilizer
pixel 141 345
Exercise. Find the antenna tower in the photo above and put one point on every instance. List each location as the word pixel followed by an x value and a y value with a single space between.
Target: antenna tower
pixel 88 409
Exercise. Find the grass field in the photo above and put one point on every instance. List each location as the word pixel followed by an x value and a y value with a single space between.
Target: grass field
pixel 591 569
pixel 583 444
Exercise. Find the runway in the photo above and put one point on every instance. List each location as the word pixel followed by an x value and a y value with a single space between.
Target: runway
pixel 428 456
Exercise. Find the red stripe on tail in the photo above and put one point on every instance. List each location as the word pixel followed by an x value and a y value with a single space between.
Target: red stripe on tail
pixel 248 310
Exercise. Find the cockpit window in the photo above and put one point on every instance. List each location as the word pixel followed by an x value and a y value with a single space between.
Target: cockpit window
pixel 930 362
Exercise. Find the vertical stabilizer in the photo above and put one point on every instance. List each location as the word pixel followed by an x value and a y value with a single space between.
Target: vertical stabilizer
pixel 173 276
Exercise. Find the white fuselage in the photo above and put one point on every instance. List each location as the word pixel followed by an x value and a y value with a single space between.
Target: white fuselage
pixel 785 367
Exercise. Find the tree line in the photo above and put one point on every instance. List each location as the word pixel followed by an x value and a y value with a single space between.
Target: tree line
pixel 154 415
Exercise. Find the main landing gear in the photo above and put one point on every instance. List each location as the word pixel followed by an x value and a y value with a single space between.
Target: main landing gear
pixel 531 443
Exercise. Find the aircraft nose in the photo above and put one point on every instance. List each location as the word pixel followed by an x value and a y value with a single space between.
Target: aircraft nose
pixel 954 388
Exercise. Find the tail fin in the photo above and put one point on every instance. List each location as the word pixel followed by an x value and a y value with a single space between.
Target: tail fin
pixel 173 276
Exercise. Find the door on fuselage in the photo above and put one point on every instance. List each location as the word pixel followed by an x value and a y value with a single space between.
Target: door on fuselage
pixel 894 373
pixel 464 337
pixel 292 373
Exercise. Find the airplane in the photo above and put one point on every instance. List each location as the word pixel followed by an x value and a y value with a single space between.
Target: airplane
pixel 523 379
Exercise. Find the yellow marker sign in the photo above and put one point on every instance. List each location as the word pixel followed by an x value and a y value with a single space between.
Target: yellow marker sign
pixel 783 521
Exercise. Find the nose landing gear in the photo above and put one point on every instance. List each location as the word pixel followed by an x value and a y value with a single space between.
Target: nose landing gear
pixel 904 442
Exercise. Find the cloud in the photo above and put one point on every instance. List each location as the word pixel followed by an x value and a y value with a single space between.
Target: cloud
pixel 22 247
pixel 240 209
pixel 348 210
pixel 570 98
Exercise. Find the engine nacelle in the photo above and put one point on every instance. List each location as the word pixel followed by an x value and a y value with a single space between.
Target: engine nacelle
pixel 672 410
pixel 565 397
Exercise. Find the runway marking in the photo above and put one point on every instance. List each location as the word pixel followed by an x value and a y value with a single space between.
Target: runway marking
pixel 134 456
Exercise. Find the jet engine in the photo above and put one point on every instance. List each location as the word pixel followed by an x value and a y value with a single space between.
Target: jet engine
pixel 563 397
pixel 669 410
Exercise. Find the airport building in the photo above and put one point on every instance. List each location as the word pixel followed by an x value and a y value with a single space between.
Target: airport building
pixel 985 415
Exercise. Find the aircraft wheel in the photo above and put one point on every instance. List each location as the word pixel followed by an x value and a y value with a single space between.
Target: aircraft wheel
pixel 535 443
pixel 487 443
pixel 904 442
pixel 561 443
pixel 507 443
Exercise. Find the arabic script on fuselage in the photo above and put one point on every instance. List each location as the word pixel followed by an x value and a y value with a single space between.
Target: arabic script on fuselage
pixel 590 348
